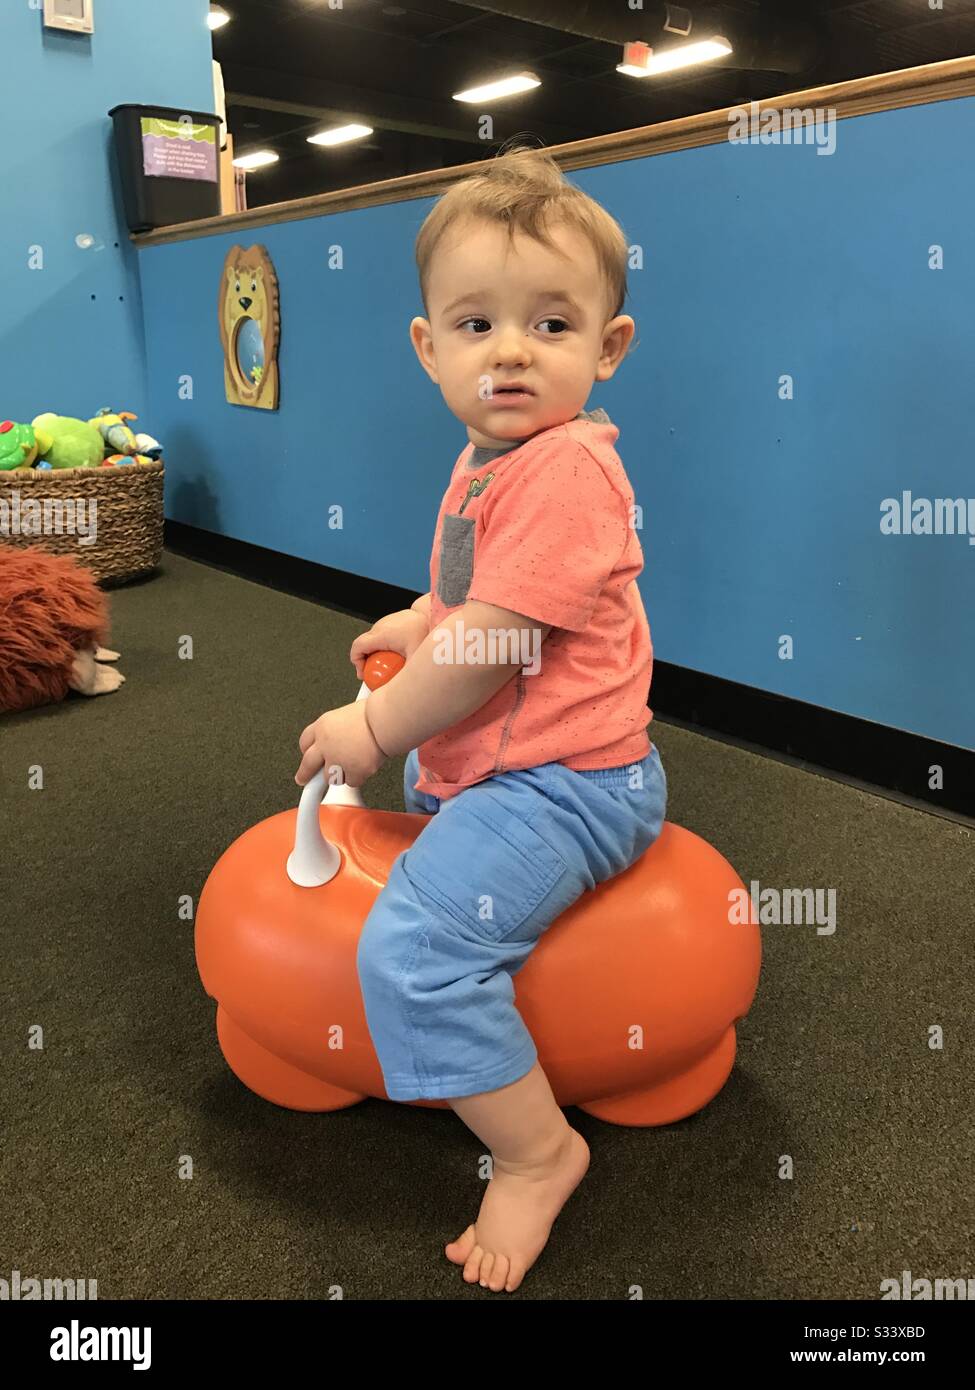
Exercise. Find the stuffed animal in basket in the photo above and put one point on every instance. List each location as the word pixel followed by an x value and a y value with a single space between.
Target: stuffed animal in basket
pixel 71 443
pixel 53 619
pixel 21 444
pixel 118 438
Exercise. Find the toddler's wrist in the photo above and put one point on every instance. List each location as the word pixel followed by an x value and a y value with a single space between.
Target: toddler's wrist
pixel 378 735
pixel 368 723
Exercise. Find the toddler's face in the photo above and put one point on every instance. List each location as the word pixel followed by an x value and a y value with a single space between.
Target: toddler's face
pixel 522 313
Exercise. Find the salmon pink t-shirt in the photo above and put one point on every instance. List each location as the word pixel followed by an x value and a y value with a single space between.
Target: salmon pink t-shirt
pixel 544 529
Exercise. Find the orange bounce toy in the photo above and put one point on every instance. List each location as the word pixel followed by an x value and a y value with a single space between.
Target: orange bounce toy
pixel 631 996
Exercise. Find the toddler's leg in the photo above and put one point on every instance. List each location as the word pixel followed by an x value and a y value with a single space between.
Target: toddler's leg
pixel 462 910
pixel 439 1000
pixel 538 1161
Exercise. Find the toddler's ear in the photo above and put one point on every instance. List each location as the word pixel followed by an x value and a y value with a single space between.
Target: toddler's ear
pixel 421 336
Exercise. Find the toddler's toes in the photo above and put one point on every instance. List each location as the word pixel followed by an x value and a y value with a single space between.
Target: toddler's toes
pixel 499 1273
pixel 515 1276
pixel 485 1274
pixel 458 1250
pixel 473 1266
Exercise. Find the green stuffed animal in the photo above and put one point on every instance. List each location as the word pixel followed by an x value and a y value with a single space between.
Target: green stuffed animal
pixel 73 443
pixel 20 445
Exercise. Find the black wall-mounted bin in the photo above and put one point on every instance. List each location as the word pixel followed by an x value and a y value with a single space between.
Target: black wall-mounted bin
pixel 190 186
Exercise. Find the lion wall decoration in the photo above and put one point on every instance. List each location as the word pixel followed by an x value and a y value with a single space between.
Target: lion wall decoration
pixel 250 327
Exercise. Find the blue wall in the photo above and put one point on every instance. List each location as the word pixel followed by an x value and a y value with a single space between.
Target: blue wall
pixel 761 516
pixel 71 334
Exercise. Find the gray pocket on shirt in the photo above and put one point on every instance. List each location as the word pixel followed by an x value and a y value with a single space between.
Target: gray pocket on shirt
pixel 456 560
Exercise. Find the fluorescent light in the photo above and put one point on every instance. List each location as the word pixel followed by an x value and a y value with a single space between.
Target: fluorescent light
pixel 681 56
pixel 217 17
pixel 339 134
pixel 256 159
pixel 505 87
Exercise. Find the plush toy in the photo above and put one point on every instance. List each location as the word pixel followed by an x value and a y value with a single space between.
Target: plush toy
pixel 20 445
pixel 53 618
pixel 73 443
pixel 118 438
pixel 148 446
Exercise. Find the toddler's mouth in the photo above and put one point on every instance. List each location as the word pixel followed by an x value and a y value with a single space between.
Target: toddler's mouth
pixel 511 395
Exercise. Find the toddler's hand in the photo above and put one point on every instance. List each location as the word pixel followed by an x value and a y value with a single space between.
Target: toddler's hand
pixel 340 739
pixel 400 632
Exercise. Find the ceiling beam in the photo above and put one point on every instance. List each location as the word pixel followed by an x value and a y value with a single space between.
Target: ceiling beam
pixel 324 100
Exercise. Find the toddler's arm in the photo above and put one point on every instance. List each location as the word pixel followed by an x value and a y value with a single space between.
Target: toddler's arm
pixel 430 695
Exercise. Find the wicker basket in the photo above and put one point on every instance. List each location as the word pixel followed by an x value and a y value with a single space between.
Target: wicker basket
pixel 127 521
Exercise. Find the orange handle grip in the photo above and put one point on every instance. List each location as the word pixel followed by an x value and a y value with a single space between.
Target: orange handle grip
pixel 381 667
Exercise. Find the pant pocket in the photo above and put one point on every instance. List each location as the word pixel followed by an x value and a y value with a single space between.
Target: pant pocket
pixel 491 881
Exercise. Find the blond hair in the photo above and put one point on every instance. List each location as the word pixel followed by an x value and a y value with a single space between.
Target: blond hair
pixel 525 190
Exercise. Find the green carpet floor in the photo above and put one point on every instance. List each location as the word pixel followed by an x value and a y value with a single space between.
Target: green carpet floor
pixel 144 788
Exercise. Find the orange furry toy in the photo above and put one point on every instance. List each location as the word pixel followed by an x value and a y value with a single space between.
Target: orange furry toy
pixel 53 619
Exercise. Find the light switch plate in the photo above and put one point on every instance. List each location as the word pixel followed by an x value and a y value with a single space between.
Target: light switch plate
pixel 77 16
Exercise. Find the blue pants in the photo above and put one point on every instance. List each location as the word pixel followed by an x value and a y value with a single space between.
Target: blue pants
pixel 465 905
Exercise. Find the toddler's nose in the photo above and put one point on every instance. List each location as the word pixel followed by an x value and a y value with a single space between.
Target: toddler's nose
pixel 511 348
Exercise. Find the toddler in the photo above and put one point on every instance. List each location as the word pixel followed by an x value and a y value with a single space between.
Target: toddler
pixel 522 704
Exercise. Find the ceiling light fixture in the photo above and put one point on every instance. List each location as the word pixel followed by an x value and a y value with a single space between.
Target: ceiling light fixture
pixel 504 87
pixel 639 59
pixel 338 135
pixel 217 17
pixel 256 159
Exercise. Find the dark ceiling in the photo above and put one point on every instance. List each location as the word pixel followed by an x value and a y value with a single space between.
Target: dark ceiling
pixel 291 67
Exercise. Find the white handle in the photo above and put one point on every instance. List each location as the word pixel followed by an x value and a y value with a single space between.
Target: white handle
pixel 314 860
pixel 340 793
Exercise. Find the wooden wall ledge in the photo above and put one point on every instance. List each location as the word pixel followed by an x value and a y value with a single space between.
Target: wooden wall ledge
pixel 884 92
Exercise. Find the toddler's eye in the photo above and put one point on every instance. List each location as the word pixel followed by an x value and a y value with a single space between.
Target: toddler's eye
pixel 469 321
pixel 562 325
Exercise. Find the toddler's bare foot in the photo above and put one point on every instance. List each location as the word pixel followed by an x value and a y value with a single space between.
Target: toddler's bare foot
pixel 517 1213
